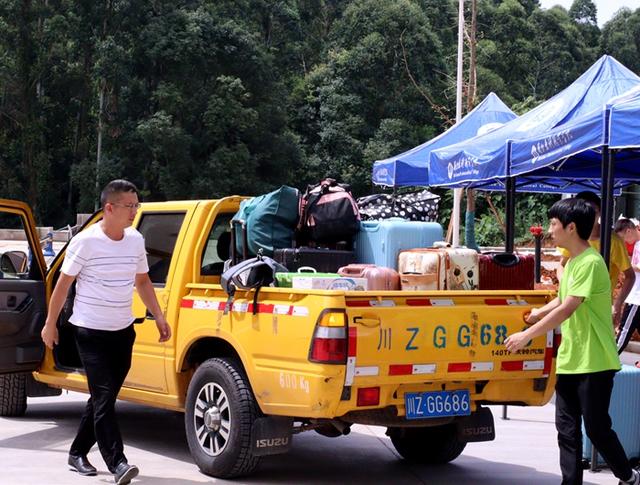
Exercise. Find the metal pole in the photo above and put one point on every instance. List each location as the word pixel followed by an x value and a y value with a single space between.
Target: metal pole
pixel 538 253
pixel 510 214
pixel 606 214
pixel 457 193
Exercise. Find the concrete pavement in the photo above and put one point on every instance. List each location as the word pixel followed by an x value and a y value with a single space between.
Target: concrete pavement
pixel 33 451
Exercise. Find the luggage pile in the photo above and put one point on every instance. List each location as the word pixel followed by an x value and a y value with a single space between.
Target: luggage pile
pixel 322 242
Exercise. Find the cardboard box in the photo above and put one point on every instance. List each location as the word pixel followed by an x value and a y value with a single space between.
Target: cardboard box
pixel 329 283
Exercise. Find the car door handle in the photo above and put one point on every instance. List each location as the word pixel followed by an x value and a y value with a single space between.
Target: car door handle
pixel 149 315
pixel 12 301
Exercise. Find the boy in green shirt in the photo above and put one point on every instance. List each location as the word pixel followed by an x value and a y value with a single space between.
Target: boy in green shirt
pixel 587 358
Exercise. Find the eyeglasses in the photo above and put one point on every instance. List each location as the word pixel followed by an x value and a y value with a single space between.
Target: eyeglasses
pixel 135 206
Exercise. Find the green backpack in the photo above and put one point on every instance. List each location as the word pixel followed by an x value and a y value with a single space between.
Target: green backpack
pixel 270 221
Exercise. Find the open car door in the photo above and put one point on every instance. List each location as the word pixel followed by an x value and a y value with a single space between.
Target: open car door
pixel 23 303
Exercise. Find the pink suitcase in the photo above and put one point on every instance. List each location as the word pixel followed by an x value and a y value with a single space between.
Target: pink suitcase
pixel 456 269
pixel 378 277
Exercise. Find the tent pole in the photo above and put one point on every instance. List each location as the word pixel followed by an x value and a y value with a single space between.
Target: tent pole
pixel 606 215
pixel 510 214
pixel 457 193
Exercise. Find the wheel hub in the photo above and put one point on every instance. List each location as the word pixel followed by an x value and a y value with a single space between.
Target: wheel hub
pixel 212 418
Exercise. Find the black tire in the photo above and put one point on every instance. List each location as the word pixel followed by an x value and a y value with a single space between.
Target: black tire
pixel 429 446
pixel 227 408
pixel 13 394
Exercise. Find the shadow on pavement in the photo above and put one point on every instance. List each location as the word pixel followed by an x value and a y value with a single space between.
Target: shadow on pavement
pixel 358 458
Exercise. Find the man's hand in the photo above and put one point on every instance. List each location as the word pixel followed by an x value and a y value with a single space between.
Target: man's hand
pixel 163 329
pixel 49 335
pixel 517 341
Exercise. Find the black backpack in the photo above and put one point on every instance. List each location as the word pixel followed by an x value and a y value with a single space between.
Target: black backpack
pixel 328 213
pixel 251 274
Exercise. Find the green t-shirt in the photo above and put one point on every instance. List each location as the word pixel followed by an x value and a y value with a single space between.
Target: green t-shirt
pixel 588 343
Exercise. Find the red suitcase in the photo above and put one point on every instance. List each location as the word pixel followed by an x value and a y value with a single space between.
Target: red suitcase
pixel 504 271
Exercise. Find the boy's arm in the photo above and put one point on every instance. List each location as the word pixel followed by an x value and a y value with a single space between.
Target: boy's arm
pixel 629 280
pixel 538 314
pixel 555 317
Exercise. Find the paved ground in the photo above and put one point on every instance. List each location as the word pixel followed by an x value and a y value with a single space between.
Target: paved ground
pixel 33 451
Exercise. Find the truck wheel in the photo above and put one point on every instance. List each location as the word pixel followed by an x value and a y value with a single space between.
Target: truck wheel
pixel 220 411
pixel 430 445
pixel 13 394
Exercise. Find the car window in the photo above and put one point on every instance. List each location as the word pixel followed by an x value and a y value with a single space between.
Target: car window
pixel 160 231
pixel 217 249
pixel 15 259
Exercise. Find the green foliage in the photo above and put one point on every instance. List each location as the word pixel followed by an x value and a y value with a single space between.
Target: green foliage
pixel 205 98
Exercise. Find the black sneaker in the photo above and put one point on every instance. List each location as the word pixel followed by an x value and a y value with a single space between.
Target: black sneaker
pixel 634 480
pixel 125 473
pixel 81 465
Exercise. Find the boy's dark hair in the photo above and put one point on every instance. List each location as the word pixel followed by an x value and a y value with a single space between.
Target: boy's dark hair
pixel 623 224
pixel 590 197
pixel 115 187
pixel 577 211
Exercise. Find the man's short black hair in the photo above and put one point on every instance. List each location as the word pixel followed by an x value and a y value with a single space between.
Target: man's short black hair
pixel 114 188
pixel 590 197
pixel 623 224
pixel 577 211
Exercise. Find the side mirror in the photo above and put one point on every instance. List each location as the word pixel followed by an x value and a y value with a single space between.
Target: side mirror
pixel 14 262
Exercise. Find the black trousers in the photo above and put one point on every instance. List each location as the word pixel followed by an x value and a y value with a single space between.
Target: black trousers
pixel 628 324
pixel 106 357
pixel 587 396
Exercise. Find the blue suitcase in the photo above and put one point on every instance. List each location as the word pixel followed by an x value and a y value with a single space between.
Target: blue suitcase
pixel 625 414
pixel 379 242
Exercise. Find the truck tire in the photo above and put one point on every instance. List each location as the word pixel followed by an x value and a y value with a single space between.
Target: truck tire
pixel 429 446
pixel 220 412
pixel 13 394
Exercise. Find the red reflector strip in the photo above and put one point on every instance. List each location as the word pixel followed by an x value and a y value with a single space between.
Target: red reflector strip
pixel 357 303
pixel 495 301
pixel 418 302
pixel 511 365
pixel 186 303
pixel 400 369
pixel 459 367
pixel 548 360
pixel 353 341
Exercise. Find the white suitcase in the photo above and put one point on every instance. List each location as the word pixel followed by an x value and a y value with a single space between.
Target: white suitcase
pixel 456 269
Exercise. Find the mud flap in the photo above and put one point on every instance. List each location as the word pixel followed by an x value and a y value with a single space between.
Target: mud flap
pixel 478 426
pixel 271 435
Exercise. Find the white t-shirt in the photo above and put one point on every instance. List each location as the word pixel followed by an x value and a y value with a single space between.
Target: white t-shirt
pixel 105 272
pixel 634 295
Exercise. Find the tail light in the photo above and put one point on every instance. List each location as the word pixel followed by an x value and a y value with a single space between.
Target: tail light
pixel 329 342
pixel 368 396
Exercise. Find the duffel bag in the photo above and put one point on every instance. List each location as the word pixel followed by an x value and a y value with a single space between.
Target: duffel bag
pixel 412 206
pixel 270 221
pixel 328 213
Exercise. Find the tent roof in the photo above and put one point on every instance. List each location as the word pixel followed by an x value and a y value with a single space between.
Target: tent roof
pixel 410 168
pixel 565 125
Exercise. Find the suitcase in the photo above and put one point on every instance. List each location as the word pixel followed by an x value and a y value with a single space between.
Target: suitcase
pixel 320 259
pixel 422 269
pixel 378 278
pixel 505 271
pixel 624 411
pixel 441 268
pixel 379 242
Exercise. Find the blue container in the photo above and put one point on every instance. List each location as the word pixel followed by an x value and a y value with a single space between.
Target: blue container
pixel 379 242
pixel 624 410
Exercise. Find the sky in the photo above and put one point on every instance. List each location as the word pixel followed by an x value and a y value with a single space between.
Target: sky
pixel 606 8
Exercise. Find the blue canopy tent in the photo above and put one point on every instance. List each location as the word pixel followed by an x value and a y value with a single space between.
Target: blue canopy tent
pixel 410 168
pixel 553 145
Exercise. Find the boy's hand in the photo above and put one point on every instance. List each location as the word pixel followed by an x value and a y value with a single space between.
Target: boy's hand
pixel 532 317
pixel 517 341
pixel 616 310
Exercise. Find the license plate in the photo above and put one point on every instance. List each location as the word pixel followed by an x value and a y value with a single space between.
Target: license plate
pixel 419 405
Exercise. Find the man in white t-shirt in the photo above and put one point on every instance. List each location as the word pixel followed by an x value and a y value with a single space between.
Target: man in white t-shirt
pixel 106 260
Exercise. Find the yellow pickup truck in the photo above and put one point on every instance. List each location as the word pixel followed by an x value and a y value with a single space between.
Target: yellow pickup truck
pixel 422 364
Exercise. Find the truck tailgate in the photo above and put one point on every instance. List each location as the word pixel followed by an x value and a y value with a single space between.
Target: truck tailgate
pixel 452 336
